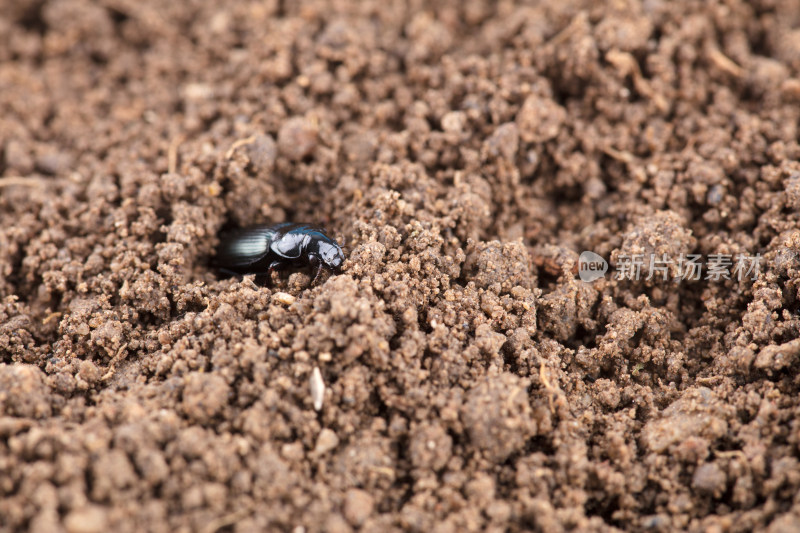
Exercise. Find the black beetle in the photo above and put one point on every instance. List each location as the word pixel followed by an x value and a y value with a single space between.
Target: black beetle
pixel 261 249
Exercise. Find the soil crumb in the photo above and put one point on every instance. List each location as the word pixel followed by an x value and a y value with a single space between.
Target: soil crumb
pixel 459 374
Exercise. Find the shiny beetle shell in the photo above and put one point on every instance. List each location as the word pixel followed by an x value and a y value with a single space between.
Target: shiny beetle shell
pixel 260 249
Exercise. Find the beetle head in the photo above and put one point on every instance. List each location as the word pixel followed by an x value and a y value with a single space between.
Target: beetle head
pixel 332 255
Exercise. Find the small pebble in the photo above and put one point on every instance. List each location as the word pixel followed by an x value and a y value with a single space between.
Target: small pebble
pixel 86 520
pixel 53 162
pixel 357 506
pixel 326 441
pixel 284 298
pixel 89 372
pixel 297 138
pixel 504 142
pixel 454 122
pixel 293 451
pixel 317 388
pixel 18 158
pixel 262 153
pixel 710 479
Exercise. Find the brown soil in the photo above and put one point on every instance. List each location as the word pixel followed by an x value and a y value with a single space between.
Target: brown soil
pixel 465 153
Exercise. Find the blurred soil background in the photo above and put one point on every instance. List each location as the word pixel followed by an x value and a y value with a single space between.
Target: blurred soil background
pixel 464 153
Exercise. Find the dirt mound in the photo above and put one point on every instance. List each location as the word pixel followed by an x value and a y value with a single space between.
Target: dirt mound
pixel 465 154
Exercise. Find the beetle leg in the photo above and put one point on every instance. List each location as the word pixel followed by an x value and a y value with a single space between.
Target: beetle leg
pixel 275 265
pixel 316 264
pixel 263 280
